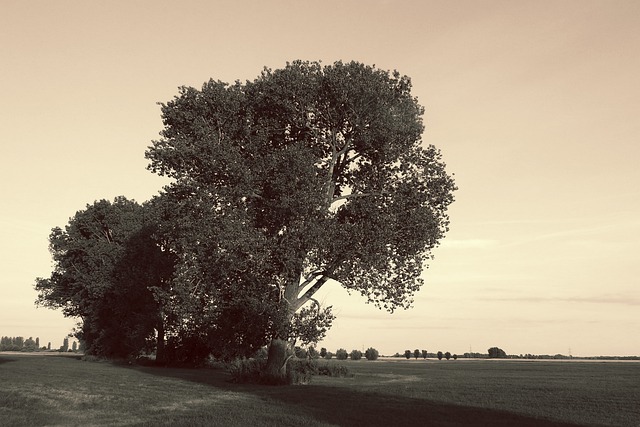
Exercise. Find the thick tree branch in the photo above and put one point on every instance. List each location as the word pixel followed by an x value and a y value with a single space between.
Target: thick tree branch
pixel 308 295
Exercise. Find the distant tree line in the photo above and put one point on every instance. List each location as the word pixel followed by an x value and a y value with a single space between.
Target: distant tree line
pixel 340 354
pixel 19 344
pixel 31 345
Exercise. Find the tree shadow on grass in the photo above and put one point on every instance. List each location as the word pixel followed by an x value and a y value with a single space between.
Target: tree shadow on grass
pixel 348 406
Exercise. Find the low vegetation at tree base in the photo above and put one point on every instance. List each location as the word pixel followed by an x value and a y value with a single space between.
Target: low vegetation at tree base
pixel 298 371
pixel 397 392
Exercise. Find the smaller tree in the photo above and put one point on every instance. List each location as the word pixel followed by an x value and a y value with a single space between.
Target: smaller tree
pixel 424 354
pixel 355 355
pixel 341 354
pixel 49 346
pixel 407 354
pixel 323 352
pixel 455 357
pixel 38 342
pixel 371 353
pixel 30 344
pixel 439 355
pixel 65 345
pixel 496 353
pixel 74 347
pixel 447 355
pixel 328 355
pixel 416 353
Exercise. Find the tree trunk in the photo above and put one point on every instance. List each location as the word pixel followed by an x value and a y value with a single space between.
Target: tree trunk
pixel 276 369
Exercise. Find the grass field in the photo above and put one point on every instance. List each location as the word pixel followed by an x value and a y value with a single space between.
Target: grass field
pixel 38 390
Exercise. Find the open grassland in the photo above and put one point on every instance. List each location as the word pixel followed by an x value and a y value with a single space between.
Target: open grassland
pixel 61 390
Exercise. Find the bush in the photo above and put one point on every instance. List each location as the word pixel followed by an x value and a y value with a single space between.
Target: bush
pixel 334 370
pixel 355 355
pixel 341 354
pixel 371 353
pixel 301 371
pixel 252 371
pixel 247 370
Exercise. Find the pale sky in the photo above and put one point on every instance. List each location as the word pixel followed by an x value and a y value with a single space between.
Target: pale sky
pixel 534 105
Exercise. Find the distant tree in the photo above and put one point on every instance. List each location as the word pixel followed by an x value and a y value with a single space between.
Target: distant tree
pixel 38 342
pixel 18 343
pixel 455 357
pixel 65 345
pixel 323 352
pixel 30 344
pixel 341 354
pixel 440 355
pixel 496 353
pixel 371 353
pixel 329 355
pixel 447 355
pixel 355 355
pixel 49 346
pixel 424 354
pixel 407 354
pixel 74 347
pixel 416 353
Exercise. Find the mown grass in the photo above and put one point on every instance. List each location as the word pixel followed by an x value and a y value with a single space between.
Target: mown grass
pixel 61 391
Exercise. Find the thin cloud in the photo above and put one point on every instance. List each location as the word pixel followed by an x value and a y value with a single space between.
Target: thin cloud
pixel 468 243
pixel 601 299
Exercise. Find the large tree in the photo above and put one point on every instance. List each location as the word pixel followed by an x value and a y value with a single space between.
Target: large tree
pixel 307 174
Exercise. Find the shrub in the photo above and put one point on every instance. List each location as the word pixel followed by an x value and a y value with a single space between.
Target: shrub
pixel 334 370
pixel 247 370
pixel 252 371
pixel 355 355
pixel 301 371
pixel 313 353
pixel 371 353
pixel 341 354
pixel 300 352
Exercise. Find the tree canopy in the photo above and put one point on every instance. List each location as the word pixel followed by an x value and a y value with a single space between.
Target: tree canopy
pixel 307 174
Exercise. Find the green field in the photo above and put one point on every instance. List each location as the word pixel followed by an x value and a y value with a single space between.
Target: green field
pixel 61 390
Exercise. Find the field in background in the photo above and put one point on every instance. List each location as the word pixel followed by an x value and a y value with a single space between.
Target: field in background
pixel 62 390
